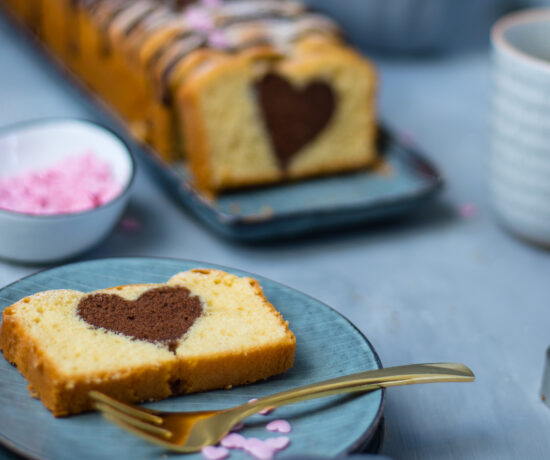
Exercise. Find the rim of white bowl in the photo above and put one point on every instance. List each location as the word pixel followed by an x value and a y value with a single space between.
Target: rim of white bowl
pixel 43 121
pixel 499 29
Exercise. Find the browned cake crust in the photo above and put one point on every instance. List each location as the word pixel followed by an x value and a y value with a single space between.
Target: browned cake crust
pixel 43 335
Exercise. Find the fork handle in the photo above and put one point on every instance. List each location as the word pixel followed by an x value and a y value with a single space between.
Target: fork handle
pixel 366 381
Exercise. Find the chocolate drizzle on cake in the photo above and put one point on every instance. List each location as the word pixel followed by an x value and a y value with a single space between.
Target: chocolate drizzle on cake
pixel 180 4
pixel 129 19
pixel 293 116
pixel 160 315
pixel 105 13
pixel 146 26
pixel 227 26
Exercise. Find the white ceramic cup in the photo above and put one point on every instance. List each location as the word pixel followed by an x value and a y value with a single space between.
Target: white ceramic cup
pixel 519 166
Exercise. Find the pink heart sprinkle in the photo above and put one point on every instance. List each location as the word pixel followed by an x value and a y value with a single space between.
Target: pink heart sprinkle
pixel 258 449
pixel 129 224
pixel 238 426
pixel 467 210
pixel 278 443
pixel 214 453
pixel 233 441
pixel 198 19
pixel 282 426
pixel 407 138
pixel 217 39
pixel 265 411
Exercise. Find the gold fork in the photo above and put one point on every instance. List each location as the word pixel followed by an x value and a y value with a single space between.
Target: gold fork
pixel 190 431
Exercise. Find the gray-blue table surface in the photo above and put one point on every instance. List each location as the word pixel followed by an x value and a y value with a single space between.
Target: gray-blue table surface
pixel 435 287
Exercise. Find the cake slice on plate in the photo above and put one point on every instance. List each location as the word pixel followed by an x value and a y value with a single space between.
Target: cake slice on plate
pixel 203 329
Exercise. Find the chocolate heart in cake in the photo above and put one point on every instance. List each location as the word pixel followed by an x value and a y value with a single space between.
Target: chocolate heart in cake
pixel 161 314
pixel 293 116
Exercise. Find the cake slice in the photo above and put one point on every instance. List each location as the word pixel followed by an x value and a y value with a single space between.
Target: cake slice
pixel 263 116
pixel 203 329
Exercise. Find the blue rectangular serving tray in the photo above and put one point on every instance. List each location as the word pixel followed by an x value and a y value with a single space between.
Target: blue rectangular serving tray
pixel 405 182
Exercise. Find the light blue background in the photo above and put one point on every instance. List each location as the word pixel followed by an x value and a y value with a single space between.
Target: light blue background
pixel 436 287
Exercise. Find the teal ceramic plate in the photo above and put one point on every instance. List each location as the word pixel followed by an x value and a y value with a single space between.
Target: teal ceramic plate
pixel 327 346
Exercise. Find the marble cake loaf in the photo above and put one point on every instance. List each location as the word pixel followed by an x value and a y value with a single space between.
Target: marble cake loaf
pixel 203 329
pixel 248 91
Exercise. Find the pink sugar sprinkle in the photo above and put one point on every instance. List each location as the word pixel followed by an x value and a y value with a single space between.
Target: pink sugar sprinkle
pixel 278 443
pixel 214 453
pixel 75 184
pixel 233 441
pixel 129 224
pixel 198 19
pixel 265 411
pixel 467 210
pixel 282 426
pixel 259 449
pixel 238 426
pixel 217 39
pixel 407 138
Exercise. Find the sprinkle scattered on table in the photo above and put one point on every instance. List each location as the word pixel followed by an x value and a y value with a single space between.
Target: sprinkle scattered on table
pixel 265 411
pixel 129 224
pixel 278 443
pixel 262 449
pixel 238 426
pixel 258 449
pixel 233 441
pixel 281 426
pixel 407 137
pixel 467 210
pixel 214 453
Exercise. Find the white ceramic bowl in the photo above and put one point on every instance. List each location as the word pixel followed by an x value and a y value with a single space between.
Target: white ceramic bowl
pixel 37 145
